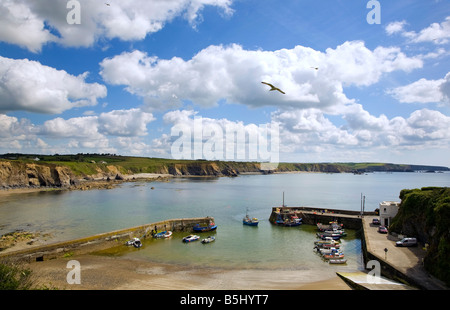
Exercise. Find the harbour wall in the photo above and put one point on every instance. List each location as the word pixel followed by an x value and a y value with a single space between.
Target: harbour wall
pixel 102 241
pixel 351 220
pixel 312 216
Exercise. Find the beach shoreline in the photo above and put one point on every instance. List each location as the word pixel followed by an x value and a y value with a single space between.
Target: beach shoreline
pixel 99 272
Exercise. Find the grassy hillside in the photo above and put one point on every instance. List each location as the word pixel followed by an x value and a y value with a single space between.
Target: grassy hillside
pixel 88 164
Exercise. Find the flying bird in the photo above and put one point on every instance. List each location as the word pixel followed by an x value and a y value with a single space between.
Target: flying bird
pixel 316 68
pixel 273 88
pixel 107 4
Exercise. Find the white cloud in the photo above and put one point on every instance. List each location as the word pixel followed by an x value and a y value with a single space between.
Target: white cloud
pixel 104 133
pixel 234 74
pixel 24 22
pixel 125 122
pixel 30 86
pixel 437 33
pixel 20 25
pixel 395 27
pixel 424 91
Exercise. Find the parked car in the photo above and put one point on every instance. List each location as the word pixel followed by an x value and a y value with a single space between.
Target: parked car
pixel 376 221
pixel 382 230
pixel 407 242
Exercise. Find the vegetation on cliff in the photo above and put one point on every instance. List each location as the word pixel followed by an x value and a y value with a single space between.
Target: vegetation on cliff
pixel 425 213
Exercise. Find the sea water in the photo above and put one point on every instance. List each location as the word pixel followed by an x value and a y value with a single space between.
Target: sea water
pixel 68 215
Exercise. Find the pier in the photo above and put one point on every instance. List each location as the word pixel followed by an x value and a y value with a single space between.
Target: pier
pixel 401 268
pixel 102 241
pixel 312 216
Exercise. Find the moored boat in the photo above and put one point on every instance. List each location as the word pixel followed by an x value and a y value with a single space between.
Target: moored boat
pixel 337 261
pixel 163 234
pixel 209 239
pixel 191 238
pixel 327 251
pixel 250 221
pixel 210 227
pixel 337 255
pixel 136 242
pixel 333 236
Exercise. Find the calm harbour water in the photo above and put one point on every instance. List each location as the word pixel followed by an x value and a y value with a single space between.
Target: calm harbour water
pixel 74 214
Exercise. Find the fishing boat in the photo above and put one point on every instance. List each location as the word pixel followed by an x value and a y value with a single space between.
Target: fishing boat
pixel 333 236
pixel 327 251
pixel 250 221
pixel 191 238
pixel 163 234
pixel 326 240
pixel 330 226
pixel 337 255
pixel 209 239
pixel 335 231
pixel 329 245
pixel 136 242
pixel 210 227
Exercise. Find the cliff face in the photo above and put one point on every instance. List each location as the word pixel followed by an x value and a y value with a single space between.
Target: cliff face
pixel 425 214
pixel 19 174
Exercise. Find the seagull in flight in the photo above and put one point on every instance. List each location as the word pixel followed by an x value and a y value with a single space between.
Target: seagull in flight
pixel 273 88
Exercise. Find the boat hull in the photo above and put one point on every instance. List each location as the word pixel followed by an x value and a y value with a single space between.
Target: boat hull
pixel 204 228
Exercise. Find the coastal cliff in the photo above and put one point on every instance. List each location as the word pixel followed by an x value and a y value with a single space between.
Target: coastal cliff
pixel 425 214
pixel 67 171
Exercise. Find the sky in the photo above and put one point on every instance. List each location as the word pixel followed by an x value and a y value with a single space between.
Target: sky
pixel 362 81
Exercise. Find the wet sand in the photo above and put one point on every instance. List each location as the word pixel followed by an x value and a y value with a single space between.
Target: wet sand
pixel 115 273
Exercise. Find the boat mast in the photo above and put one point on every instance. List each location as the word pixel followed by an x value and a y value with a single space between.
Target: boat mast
pixel 283 200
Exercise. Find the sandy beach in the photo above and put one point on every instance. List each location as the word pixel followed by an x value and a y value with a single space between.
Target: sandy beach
pixel 113 273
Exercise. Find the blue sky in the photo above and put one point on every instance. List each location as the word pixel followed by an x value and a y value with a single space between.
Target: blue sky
pixel 129 73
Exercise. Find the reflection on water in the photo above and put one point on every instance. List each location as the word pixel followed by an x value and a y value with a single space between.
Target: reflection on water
pixel 74 214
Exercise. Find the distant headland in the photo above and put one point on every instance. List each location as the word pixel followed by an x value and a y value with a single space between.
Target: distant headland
pixel 36 170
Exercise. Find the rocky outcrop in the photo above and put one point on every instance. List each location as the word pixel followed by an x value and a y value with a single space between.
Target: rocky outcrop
pixel 20 174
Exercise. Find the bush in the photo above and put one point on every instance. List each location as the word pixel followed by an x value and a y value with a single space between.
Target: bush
pixel 14 277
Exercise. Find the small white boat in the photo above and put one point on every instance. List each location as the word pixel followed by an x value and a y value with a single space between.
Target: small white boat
pixel 209 239
pixel 327 251
pixel 191 238
pixel 136 242
pixel 163 234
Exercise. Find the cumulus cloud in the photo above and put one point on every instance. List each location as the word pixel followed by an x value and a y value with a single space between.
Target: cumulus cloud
pixel 234 74
pixel 310 133
pixel 30 86
pixel 28 22
pixel 125 123
pixel 20 25
pixel 437 33
pixel 424 91
pixel 192 137
pixel 106 132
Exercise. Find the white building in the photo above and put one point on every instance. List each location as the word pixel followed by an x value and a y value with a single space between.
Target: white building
pixel 388 209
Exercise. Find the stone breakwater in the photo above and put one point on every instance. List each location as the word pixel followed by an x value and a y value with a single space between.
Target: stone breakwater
pixel 101 241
